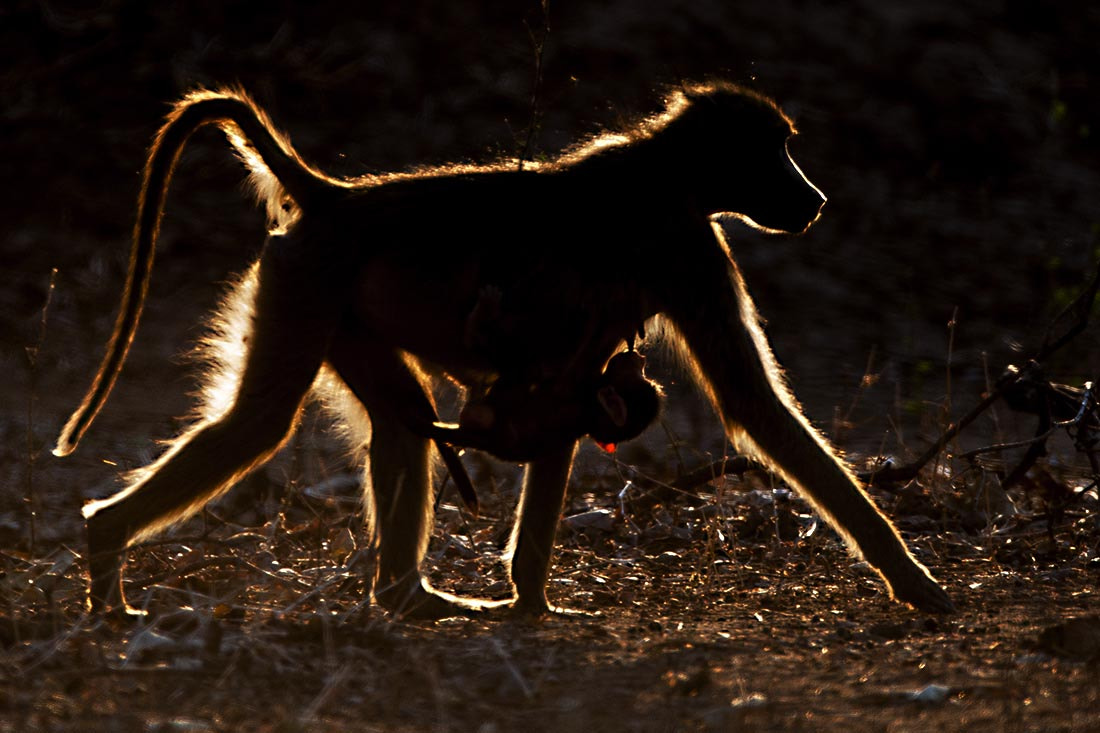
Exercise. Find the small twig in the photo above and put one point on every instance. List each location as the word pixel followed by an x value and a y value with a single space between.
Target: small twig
pixel 32 397
pixel 689 483
pixel 727 466
pixel 673 441
pixel 997 447
pixel 841 423
pixel 538 42
pixel 989 386
pixel 951 326
pixel 1088 401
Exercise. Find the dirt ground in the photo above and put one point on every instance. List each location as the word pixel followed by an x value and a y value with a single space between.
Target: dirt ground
pixel 957 143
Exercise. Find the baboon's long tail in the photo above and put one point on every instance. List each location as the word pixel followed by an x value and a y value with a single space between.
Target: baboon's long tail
pixel 200 108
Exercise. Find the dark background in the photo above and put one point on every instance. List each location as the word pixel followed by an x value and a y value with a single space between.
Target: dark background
pixel 957 142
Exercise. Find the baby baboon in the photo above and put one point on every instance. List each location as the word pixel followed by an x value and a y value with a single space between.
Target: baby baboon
pixel 628 401
pixel 522 421
pixel 362 282
pixel 520 415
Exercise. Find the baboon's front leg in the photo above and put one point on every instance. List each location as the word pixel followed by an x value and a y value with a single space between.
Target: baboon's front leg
pixel 725 339
pixel 537 518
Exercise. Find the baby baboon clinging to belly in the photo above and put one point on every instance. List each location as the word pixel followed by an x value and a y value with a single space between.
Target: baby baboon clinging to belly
pixel 520 421
pixel 370 281
pixel 522 415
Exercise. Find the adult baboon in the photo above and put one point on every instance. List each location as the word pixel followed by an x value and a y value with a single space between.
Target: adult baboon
pixel 370 281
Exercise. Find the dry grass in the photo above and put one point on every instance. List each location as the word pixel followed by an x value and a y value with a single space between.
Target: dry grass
pixel 732 609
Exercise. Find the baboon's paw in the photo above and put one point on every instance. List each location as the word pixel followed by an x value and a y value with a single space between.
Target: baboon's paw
pixel 425 604
pixel 116 615
pixel 924 594
pixel 532 612
pixel 126 614
pixel 564 612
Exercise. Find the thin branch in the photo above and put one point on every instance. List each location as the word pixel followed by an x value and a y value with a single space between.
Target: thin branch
pixel 997 447
pixel 690 483
pixel 1081 308
pixel 909 471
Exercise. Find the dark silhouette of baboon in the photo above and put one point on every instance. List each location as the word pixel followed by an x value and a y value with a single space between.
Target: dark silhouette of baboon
pixel 366 285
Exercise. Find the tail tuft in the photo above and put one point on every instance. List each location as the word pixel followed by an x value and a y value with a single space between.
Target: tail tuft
pixel 66 442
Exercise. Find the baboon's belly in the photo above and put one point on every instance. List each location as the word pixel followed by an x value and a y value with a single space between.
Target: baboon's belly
pixel 551 318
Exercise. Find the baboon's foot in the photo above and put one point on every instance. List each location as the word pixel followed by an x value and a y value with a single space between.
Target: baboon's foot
pixel 563 612
pixel 923 593
pixel 910 582
pixel 531 610
pixel 123 615
pixel 105 596
pixel 420 602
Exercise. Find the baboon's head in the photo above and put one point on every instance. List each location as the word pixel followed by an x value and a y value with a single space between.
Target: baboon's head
pixel 627 402
pixel 734 144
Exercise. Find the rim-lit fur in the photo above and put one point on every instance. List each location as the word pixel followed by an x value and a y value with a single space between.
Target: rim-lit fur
pixel 347 299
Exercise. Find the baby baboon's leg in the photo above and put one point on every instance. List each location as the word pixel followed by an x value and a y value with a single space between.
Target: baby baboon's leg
pixel 287 347
pixel 537 518
pixel 400 500
pixel 723 335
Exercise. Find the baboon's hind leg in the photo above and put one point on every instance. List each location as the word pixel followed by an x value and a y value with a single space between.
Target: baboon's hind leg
pixel 400 498
pixel 286 351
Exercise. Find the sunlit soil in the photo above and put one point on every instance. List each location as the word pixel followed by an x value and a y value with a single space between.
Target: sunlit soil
pixel 730 609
